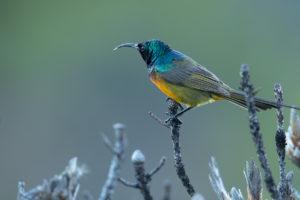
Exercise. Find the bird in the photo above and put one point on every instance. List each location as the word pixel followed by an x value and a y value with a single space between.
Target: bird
pixel 187 82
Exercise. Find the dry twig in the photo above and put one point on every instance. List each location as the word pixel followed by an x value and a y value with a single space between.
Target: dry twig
pixel 175 127
pixel 115 166
pixel 283 187
pixel 63 187
pixel 174 124
pixel 143 178
pixel 255 132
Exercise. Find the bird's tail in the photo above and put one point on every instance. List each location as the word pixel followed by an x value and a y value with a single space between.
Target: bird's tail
pixel 238 98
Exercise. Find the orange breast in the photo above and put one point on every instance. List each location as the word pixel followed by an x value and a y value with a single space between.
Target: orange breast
pixel 182 94
pixel 165 87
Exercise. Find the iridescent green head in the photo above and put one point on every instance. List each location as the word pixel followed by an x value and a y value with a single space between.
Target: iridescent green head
pixel 150 50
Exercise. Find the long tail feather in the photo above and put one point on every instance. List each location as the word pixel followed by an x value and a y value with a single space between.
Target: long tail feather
pixel 261 104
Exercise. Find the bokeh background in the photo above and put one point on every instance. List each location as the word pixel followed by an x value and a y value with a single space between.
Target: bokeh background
pixel 62 86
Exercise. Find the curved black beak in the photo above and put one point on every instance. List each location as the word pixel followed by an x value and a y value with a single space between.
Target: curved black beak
pixel 132 45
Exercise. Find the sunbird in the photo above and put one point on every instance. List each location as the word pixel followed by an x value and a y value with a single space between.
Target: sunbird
pixel 186 81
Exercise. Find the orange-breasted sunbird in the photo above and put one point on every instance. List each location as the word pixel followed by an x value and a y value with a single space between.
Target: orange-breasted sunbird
pixel 186 81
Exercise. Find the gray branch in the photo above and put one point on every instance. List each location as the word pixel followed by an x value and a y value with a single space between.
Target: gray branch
pixel 255 131
pixel 158 120
pixel 143 179
pixel 63 187
pixel 128 184
pixel 284 189
pixel 138 160
pixel 115 166
pixel 175 127
pixel 156 169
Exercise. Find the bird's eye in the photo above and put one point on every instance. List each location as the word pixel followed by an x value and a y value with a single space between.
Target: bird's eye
pixel 142 48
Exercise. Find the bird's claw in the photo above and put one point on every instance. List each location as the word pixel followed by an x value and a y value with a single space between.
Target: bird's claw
pixel 172 118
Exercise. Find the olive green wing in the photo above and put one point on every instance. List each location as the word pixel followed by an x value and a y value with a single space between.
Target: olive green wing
pixel 186 72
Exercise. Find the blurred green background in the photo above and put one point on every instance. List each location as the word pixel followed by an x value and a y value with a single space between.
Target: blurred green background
pixel 61 86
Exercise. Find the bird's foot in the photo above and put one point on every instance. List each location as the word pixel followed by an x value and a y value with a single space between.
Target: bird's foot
pixel 173 118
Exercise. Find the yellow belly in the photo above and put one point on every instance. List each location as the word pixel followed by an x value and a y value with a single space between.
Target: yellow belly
pixel 181 94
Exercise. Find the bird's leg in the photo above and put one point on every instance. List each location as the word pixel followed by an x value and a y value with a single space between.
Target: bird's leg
pixel 179 113
pixel 183 111
pixel 181 107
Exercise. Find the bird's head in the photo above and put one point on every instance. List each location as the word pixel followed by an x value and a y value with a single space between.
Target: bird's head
pixel 151 50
